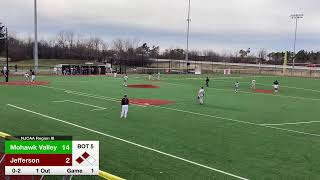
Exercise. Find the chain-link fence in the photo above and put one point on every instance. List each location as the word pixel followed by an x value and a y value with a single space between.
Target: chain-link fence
pixel 167 66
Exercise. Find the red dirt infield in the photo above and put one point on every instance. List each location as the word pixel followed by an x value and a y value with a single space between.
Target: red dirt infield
pixel 24 83
pixel 264 91
pixel 150 102
pixel 142 86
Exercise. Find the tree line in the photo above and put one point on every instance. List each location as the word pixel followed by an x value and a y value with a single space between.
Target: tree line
pixel 68 45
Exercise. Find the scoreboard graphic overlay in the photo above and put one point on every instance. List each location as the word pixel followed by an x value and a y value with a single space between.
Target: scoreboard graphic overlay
pixel 50 155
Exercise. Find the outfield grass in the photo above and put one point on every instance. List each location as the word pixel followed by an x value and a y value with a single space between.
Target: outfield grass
pixel 182 140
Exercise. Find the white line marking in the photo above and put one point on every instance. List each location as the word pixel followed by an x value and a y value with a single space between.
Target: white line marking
pixel 97 109
pixel 238 121
pixel 98 97
pixel 207 115
pixel 59 101
pixel 85 104
pixel 289 130
pixel 195 113
pixel 129 142
pixel 294 123
pixel 2 158
pixel 91 95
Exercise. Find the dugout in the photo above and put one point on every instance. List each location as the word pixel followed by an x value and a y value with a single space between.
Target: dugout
pixel 81 69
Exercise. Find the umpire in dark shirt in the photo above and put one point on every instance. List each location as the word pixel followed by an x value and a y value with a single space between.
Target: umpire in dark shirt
pixel 207 82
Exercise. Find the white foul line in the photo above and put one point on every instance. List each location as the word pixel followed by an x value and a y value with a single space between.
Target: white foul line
pixel 2 158
pixel 190 112
pixel 97 97
pixel 295 123
pixel 129 142
pixel 98 108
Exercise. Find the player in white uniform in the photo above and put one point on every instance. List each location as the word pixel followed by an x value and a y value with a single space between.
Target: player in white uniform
pixel 253 84
pixel 26 76
pixel 4 69
pixel 149 76
pixel 201 95
pixel 158 76
pixel 236 87
pixel 125 80
pixel 276 86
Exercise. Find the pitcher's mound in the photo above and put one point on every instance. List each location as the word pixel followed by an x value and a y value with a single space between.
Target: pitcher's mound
pixel 150 102
pixel 142 86
pixel 24 83
pixel 264 91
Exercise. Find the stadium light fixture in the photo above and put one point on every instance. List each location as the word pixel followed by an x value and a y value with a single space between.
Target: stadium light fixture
pixel 35 55
pixel 296 17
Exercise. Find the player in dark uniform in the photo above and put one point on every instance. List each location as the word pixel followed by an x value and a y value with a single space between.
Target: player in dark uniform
pixel 33 75
pixel 124 106
pixel 207 82
pixel 6 75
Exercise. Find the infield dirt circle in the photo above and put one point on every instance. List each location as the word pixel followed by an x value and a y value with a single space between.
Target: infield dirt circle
pixel 264 91
pixel 24 83
pixel 150 102
pixel 142 86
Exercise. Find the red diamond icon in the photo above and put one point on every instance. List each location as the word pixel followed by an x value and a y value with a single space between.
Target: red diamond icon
pixel 79 160
pixel 85 155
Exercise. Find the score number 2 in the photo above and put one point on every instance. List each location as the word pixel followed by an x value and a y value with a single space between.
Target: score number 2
pixel 66 147
pixel 67 160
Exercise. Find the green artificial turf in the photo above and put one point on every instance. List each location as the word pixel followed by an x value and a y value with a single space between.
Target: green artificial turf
pixel 224 134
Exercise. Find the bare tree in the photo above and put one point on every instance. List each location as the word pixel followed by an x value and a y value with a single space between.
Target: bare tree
pixel 70 38
pixel 262 55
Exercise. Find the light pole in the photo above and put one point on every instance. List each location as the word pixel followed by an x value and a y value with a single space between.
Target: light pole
pixel 188 31
pixel 296 17
pixel 35 55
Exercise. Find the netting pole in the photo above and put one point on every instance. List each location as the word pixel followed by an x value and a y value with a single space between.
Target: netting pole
pixel 7 53
pixel 158 64
pixel 212 65
pixel 36 63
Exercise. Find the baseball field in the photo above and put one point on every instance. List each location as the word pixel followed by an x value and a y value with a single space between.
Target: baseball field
pixel 168 135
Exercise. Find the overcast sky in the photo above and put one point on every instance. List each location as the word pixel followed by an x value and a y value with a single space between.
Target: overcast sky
pixel 225 26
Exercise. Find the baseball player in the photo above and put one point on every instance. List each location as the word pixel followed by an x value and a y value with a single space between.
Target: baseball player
pixel 236 87
pixel 276 86
pixel 26 77
pixel 201 95
pixel 124 106
pixel 125 80
pixel 158 76
pixel 33 75
pixel 253 84
pixel 207 81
